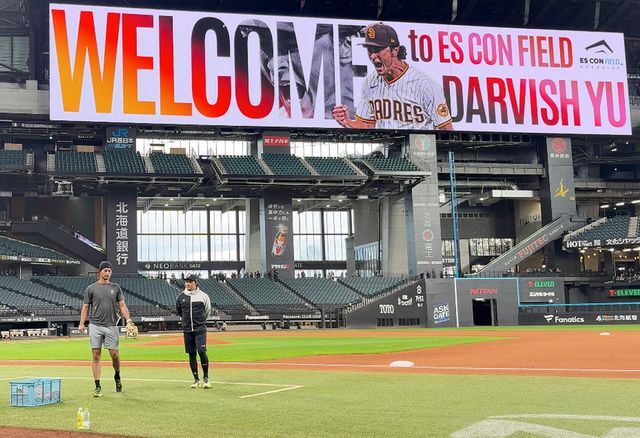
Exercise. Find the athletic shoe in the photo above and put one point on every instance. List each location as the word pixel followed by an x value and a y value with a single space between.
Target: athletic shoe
pixel 97 393
pixel 118 385
pixel 196 384
pixel 206 384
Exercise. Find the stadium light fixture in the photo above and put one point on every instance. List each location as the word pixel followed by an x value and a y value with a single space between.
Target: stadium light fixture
pixel 604 206
pixel 619 204
pixel 635 201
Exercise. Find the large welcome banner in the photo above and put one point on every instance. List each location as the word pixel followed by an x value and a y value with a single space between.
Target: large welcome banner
pixel 126 65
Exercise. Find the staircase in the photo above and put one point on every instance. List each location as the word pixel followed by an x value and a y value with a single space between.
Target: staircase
pixel 148 164
pixel 633 227
pixel 234 293
pixel 100 166
pixel 297 295
pixel 529 246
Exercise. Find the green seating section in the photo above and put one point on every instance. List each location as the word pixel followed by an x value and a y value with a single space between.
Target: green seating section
pixel 372 286
pixel 220 297
pixel 285 164
pixel 171 163
pixel 72 286
pixel 634 222
pixel 266 295
pixel 41 292
pixel 243 165
pixel 16 248
pixel 6 310
pixel 75 162
pixel 391 164
pixel 613 228
pixel 10 158
pixel 125 161
pixel 21 302
pixel 330 166
pixel 76 286
pixel 323 292
pixel 156 291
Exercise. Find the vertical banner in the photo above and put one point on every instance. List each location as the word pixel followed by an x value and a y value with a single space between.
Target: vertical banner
pixel 120 137
pixel 560 196
pixel 424 241
pixel 121 242
pixel 277 230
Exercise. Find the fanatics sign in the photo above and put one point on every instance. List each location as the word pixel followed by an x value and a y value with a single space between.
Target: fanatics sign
pixel 128 65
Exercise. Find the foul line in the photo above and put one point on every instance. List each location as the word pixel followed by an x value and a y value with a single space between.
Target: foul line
pixel 427 367
pixel 15 378
pixel 369 366
pixel 272 392
pixel 571 417
pixel 282 387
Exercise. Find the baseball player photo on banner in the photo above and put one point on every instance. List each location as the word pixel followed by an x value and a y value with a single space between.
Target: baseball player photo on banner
pixel 131 65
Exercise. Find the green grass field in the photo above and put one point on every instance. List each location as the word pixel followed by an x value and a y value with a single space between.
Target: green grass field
pixel 157 402
pixel 239 349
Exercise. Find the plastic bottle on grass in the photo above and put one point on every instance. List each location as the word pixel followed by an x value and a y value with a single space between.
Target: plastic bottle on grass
pixel 86 419
pixel 80 419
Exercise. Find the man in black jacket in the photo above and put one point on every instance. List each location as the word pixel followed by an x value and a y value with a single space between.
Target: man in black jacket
pixel 194 306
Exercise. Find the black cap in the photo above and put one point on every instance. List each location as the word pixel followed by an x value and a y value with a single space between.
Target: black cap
pixel 105 265
pixel 192 277
pixel 380 35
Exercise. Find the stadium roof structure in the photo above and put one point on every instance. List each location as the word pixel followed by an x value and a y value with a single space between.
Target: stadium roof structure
pixel 586 15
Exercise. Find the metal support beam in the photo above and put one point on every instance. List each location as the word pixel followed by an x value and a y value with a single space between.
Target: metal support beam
pixel 380 7
pixel 527 4
pixel 189 204
pixel 230 204
pixel 147 205
pixel 596 15
pixel 454 10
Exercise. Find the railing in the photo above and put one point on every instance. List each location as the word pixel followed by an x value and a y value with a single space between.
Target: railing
pixel 68 230
pixel 497 274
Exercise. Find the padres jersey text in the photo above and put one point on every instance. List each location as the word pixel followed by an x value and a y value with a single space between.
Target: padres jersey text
pixel 412 101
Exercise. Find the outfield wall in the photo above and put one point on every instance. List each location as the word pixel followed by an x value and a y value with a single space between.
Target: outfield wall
pixel 404 308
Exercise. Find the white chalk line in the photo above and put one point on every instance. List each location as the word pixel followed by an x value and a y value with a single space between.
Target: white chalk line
pixel 571 417
pixel 385 366
pixel 428 367
pixel 282 387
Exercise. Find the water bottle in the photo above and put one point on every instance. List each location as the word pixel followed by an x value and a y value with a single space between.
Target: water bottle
pixel 86 419
pixel 80 419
